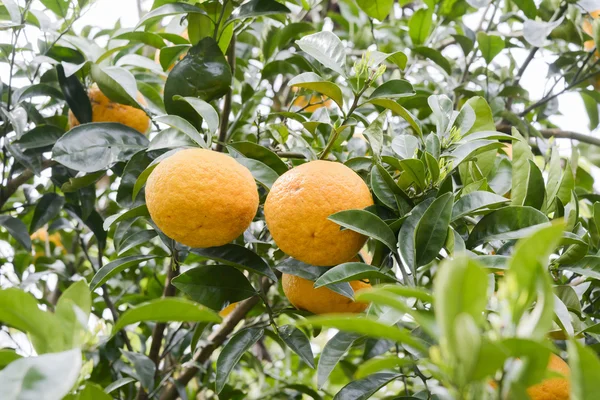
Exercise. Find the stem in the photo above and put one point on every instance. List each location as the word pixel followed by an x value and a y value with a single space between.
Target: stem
pixel 339 130
pixel 559 134
pixel 227 103
pixel 213 342
pixel 13 185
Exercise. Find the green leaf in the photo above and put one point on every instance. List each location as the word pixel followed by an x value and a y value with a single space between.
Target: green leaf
pixel 298 268
pixel 460 288
pixel 117 84
pixel 169 9
pixel 405 146
pixel 393 89
pixel 232 353
pixel 168 309
pixel 135 239
pixel 92 391
pixel 40 137
pixel 378 9
pixel 119 383
pixel 332 353
pixel 298 342
pixel 36 90
pixel 327 49
pixel 406 236
pixel 379 364
pixel 73 311
pixel 204 110
pixel 432 228
pixel 504 220
pixel 256 8
pixel 398 58
pixel 49 376
pixel 435 56
pixel 528 7
pixel 148 38
pixel 239 257
pixel 536 189
pixel 75 95
pixel 475 201
pixel 139 211
pixel 366 223
pixel 520 177
pixel 184 126
pixel 262 173
pixel 351 271
pixel 80 182
pixel 17 229
pixel 114 267
pixel 400 111
pixel 363 389
pixel 262 154
pixel 364 325
pixel 484 120
pixel 490 45
pixel 203 73
pixel 144 368
pixel 312 81
pixel 419 25
pixel 413 173
pixel 46 208
pixel 97 146
pixel 7 356
pixel 214 285
pixel 374 134
pixel 585 371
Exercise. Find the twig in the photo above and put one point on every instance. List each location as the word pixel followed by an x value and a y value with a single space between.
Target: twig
pixel 14 184
pixel 559 134
pixel 227 103
pixel 213 342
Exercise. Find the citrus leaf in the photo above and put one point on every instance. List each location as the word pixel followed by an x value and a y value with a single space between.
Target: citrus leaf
pixel 298 342
pixel 114 267
pixel 351 271
pixel 366 223
pixel 232 353
pixel 239 257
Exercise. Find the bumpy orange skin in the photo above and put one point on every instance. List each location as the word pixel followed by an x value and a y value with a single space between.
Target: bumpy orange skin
pixel 554 388
pixel 201 198
pixel 302 294
pixel 104 110
pixel 301 200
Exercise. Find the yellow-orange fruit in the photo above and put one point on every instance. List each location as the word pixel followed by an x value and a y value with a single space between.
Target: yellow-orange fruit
pixel 228 310
pixel 301 200
pixel 302 294
pixel 104 110
pixel 553 388
pixel 201 198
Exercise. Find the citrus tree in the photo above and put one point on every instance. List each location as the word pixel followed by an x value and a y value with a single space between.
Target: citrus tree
pixel 336 199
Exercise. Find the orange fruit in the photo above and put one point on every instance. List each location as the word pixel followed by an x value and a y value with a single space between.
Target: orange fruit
pixel 301 200
pixel 228 310
pixel 105 110
pixel 201 198
pixel 302 294
pixel 553 388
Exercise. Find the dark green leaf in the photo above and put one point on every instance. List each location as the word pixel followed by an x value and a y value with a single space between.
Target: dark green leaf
pixel 239 257
pixel 434 56
pixel 75 95
pixel 214 285
pixel 393 89
pixel 474 202
pixel 312 81
pixel 262 154
pixel 256 8
pixel 432 228
pixel 490 45
pixel 332 353
pixel 114 267
pixel 232 353
pixel 143 367
pixel 366 223
pixel 363 389
pixel 17 229
pixel 298 342
pixel 170 9
pixel 351 271
pixel 47 208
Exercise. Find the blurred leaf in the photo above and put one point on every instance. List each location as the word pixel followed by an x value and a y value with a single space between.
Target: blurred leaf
pixel 256 8
pixel 232 353
pixel 7 356
pixel 52 375
pixel 326 48
pixel 143 367
pixel 475 201
pixel 298 342
pixel 169 9
pixel 80 182
pixel 205 110
pixel 378 9
pixel 148 38
pixel 135 239
pixel 168 309
pixel 585 371
pixel 366 223
pixel 117 84
pixel 363 389
pixel 393 89
pixel 435 56
pixel 97 146
pixel 536 188
pixel 374 365
pixel 419 25
pixel 400 111
pixel 262 173
pixel 490 45
pixel 184 126
pixel 535 32
pixel 214 285
pixel 528 7
pixel 17 229
pixel 374 134
pixel 46 208
pixel 40 137
pixel 262 154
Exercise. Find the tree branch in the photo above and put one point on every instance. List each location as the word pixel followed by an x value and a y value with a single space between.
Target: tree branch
pixel 224 125
pixel 215 340
pixel 559 134
pixel 14 184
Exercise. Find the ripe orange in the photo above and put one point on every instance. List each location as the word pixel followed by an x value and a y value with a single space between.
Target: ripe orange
pixel 302 294
pixel 105 110
pixel 301 200
pixel 228 310
pixel 201 198
pixel 553 388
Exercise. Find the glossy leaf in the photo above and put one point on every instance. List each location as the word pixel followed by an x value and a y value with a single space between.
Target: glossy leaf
pixel 75 95
pixel 476 201
pixel 47 208
pixel 262 154
pixel 97 146
pixel 169 9
pixel 17 229
pixel 298 342
pixel 326 48
pixel 419 25
pixel 214 285
pixel 378 9
pixel 489 45
pixel 363 389
pixel 351 271
pixel 432 228
pixel 232 353
pixel 204 109
pixel 312 81
pixel 332 353
pixel 239 257
pixel 366 223
pixel 256 8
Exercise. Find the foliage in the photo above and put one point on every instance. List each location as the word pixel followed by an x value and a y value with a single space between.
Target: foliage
pixel 483 240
